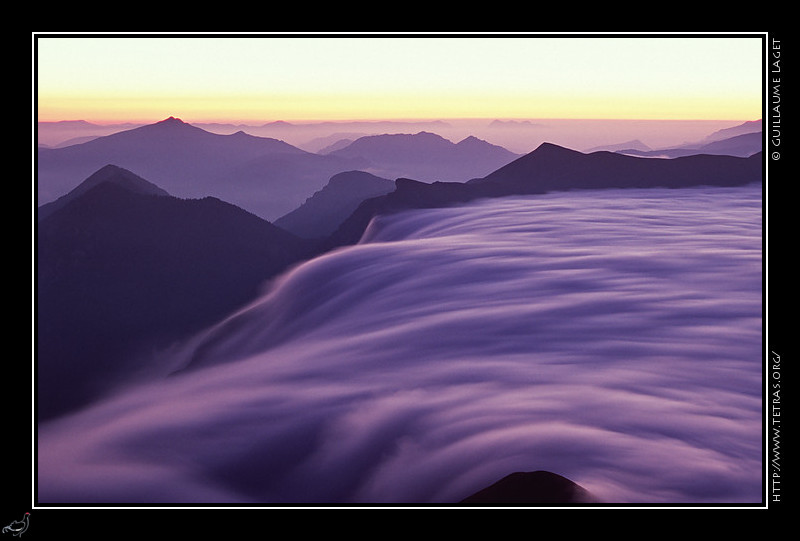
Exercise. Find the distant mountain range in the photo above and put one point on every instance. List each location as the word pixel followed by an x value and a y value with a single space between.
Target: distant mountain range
pixel 628 145
pixel 303 135
pixel 262 175
pixel 426 156
pixel 57 134
pixel 265 176
pixel 743 145
pixel 753 126
pixel 514 124
pixel 124 271
pixel 725 141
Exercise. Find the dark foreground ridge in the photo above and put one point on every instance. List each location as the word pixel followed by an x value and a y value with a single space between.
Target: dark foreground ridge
pixel 537 487
pixel 552 168
pixel 122 272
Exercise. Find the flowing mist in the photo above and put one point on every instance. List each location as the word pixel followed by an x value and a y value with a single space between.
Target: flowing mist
pixel 612 337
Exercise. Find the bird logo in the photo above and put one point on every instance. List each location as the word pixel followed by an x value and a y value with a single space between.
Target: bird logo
pixel 18 527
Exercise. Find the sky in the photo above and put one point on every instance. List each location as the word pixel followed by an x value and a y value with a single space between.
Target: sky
pixel 241 78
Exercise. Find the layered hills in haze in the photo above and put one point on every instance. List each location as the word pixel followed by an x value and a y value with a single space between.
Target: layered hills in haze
pixel 743 145
pixel 265 176
pixel 427 157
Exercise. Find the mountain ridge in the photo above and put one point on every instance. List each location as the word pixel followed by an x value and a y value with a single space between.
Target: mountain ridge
pixel 742 145
pixel 321 213
pixel 263 175
pixel 551 167
pixel 121 275
pixel 108 173
pixel 426 156
pixel 190 162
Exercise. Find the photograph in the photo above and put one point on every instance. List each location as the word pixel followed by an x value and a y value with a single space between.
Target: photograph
pixel 399 271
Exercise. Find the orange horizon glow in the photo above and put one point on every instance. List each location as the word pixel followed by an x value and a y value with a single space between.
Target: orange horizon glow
pixel 146 79
pixel 113 121
pixel 147 113
pixel 306 108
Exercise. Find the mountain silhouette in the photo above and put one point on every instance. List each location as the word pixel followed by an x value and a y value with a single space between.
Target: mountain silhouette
pixel 59 133
pixel 336 141
pixel 306 135
pixel 635 144
pixel 121 274
pixel 426 156
pixel 513 123
pixel 322 213
pixel 109 173
pixel 551 167
pixel 554 168
pixel 743 145
pixel 265 176
pixel 537 487
pixel 751 126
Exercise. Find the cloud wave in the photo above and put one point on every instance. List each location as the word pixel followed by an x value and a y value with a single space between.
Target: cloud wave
pixel 612 337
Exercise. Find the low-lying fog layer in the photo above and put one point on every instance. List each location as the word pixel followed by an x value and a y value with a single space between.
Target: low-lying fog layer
pixel 612 337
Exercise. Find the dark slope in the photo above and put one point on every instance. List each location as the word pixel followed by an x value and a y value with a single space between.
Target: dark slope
pixel 538 487
pixel 554 168
pixel 121 274
pixel 323 212
pixel 551 167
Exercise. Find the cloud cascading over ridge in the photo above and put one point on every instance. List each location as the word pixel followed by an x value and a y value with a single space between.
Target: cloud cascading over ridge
pixel 611 337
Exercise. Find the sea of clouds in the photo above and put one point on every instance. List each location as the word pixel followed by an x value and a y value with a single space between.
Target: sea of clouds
pixel 612 337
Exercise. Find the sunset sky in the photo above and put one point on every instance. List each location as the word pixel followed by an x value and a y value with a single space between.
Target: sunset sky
pixel 238 78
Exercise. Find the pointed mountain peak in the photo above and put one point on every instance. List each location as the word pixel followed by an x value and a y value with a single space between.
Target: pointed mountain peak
pixel 469 140
pixel 108 171
pixel 550 150
pixel 533 487
pixel 278 124
pixel 472 142
pixel 552 147
pixel 173 123
pixel 435 136
pixel 172 120
pixel 168 126
pixel 106 175
pixel 123 177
